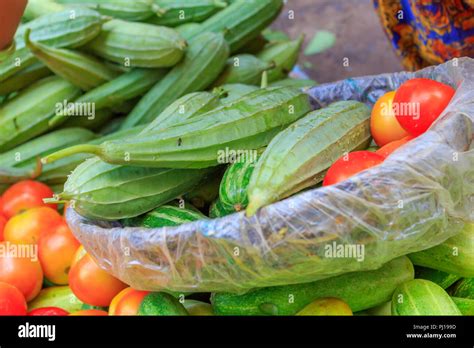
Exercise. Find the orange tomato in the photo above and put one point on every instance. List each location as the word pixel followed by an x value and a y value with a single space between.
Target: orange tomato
pixel 90 312
pixel 384 126
pixel 56 250
pixel 19 267
pixel 387 149
pixel 93 285
pixel 127 302
pixel 3 222
pixel 12 301
pixel 25 195
pixel 27 227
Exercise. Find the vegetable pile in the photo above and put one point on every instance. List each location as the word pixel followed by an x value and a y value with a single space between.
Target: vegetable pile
pixel 157 113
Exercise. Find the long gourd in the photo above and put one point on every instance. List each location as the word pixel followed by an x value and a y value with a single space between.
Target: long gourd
pixel 204 60
pixel 299 156
pixel 249 123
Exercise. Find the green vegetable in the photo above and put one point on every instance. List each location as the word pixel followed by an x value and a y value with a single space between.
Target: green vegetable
pixel 250 123
pixel 422 297
pixel 103 191
pixel 242 21
pixel 466 306
pixel 24 78
pixel 166 215
pixel 56 296
pixel 135 10
pixel 353 288
pixel 283 56
pixel 244 69
pixel 463 288
pixel 455 255
pixel 177 12
pixel 443 279
pixel 27 115
pixel 80 69
pixel 205 58
pixel 299 156
pixel 161 303
pixel 135 44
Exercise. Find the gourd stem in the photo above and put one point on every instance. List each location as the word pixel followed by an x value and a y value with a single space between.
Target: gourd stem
pixel 85 148
pixel 264 83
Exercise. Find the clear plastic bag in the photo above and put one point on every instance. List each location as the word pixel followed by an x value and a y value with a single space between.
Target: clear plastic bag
pixel 420 196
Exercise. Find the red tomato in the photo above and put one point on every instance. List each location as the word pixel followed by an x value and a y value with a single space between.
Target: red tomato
pixel 12 301
pixel 56 250
pixel 90 312
pixel 27 227
pixel 351 164
pixel 93 285
pixel 3 222
pixel 79 254
pixel 1 206
pixel 387 150
pixel 419 102
pixel 20 268
pixel 25 195
pixel 127 302
pixel 48 311
pixel 383 123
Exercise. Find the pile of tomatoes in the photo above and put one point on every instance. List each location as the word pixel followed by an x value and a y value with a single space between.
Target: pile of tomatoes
pixel 38 250
pixel 397 117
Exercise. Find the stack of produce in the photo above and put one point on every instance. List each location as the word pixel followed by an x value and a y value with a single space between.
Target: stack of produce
pixel 157 113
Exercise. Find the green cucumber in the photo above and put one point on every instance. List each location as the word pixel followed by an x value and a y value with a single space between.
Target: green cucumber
pixel 233 188
pixel 166 215
pixel 172 13
pixel 465 305
pixel 463 288
pixel 443 279
pixel 140 45
pixel 245 69
pixel 136 10
pixel 27 115
pixel 161 303
pixel 184 109
pixel 24 78
pixel 119 90
pixel 422 297
pixel 65 29
pixel 301 83
pixel 283 55
pixel 242 21
pixel 249 123
pixel 103 191
pixel 218 210
pixel 80 69
pixel 232 92
pixel 205 59
pixel 299 156
pixel 455 255
pixel 56 296
pixel 353 288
